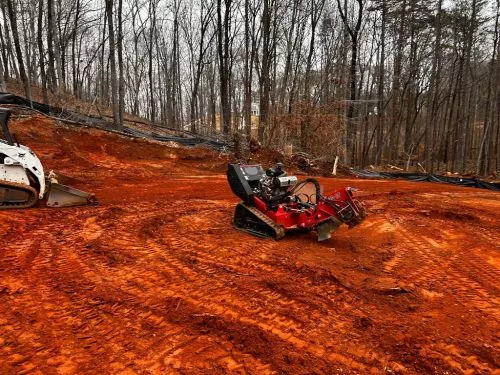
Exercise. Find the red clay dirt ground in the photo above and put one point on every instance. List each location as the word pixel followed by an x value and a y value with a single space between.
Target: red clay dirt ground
pixel 155 280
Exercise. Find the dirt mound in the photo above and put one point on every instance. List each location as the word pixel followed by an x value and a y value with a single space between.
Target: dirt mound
pixel 155 279
pixel 66 148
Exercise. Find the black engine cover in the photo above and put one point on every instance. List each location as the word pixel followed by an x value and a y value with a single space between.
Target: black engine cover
pixel 243 179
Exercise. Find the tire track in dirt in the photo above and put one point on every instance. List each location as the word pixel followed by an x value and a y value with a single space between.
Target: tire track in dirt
pixel 457 359
pixel 177 269
pixel 155 279
pixel 439 268
pixel 227 304
pixel 263 294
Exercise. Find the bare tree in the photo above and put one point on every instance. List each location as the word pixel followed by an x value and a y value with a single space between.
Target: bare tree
pixel 17 45
pixel 264 84
pixel 41 52
pixel 402 82
pixel 353 31
pixel 489 141
pixel 3 87
pixel 112 58
pixel 224 53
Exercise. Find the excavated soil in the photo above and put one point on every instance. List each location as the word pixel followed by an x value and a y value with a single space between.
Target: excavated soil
pixel 155 280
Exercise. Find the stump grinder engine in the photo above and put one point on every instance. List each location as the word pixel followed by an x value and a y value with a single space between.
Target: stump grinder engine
pixel 22 179
pixel 274 203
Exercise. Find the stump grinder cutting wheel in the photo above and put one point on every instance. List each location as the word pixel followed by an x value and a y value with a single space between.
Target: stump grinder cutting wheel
pixel 22 179
pixel 274 203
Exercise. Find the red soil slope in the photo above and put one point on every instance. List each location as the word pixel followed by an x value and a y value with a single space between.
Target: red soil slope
pixel 155 280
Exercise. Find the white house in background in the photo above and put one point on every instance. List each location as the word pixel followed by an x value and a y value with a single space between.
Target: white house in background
pixel 255 109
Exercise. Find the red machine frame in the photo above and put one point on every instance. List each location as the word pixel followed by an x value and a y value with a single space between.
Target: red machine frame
pixel 294 216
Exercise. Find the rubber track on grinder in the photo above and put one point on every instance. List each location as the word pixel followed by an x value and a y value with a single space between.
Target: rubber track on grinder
pixel 16 195
pixel 250 220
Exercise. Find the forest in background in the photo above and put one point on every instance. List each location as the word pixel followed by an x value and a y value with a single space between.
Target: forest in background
pixel 373 81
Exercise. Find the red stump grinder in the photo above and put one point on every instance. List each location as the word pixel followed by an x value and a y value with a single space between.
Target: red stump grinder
pixel 274 203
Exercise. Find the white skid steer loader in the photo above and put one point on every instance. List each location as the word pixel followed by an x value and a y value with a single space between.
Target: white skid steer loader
pixel 22 179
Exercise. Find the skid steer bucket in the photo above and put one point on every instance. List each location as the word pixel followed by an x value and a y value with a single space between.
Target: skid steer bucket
pixel 60 195
pixel 65 196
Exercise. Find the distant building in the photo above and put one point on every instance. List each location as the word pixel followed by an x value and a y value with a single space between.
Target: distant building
pixel 255 109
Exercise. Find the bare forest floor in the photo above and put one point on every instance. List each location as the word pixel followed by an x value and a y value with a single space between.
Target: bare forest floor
pixel 155 280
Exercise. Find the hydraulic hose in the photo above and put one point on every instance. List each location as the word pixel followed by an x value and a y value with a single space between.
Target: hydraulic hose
pixel 309 180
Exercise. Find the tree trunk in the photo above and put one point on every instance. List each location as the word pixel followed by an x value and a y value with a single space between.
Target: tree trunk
pixel 152 102
pixel 247 80
pixel 202 49
pixel 351 125
pixel 380 89
pixel 3 87
pixel 76 85
pixel 112 61
pixel 41 53
pixel 482 159
pixel 432 107
pixel 264 72
pixel 8 43
pixel 223 29
pixel 50 46
pixel 316 12
pixel 121 80
pixel 4 54
pixel 17 46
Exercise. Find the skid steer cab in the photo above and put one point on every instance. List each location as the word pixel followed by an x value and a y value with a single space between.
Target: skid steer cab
pixel 22 178
pixel 274 203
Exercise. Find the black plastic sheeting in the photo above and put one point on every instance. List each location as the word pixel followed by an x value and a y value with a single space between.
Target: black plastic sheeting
pixel 6 98
pixel 429 177
pixel 188 140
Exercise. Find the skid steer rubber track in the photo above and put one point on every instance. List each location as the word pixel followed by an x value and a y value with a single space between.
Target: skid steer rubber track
pixel 250 220
pixel 16 195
